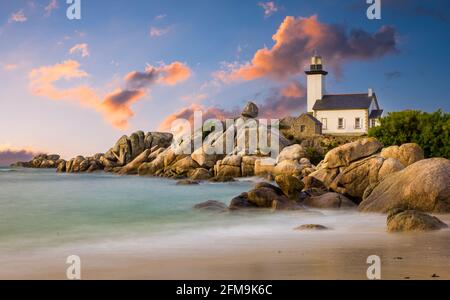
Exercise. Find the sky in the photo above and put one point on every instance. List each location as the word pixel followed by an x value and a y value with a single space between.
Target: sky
pixel 75 86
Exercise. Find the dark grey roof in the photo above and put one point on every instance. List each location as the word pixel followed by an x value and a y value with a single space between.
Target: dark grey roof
pixel 375 114
pixel 312 118
pixel 343 101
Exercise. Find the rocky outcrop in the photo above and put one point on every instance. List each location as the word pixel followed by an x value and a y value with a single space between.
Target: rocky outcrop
pixel 127 148
pixel 400 220
pixel 353 168
pixel 211 205
pixel 423 186
pixel 290 185
pixel 264 195
pixel 293 153
pixel 344 155
pixel 329 201
pixel 407 154
pixel 132 167
pixel 187 182
pixel 199 174
pixel 230 166
pixel 41 161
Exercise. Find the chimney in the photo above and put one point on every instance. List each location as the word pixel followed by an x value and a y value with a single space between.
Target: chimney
pixel 370 93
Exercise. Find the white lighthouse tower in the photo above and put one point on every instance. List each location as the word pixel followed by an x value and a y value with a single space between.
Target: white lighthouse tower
pixel 315 78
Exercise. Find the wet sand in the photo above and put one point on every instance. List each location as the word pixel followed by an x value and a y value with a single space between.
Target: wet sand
pixel 289 254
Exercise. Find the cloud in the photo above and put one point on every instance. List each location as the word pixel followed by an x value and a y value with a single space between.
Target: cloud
pixel 18 17
pixel 298 38
pixel 195 98
pixel 157 32
pixel 283 101
pixel 187 113
pixel 160 17
pixel 268 7
pixel 83 49
pixel 115 106
pixel 52 5
pixel 9 155
pixel 10 67
pixel 393 75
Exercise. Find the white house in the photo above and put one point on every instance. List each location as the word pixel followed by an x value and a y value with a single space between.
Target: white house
pixel 340 114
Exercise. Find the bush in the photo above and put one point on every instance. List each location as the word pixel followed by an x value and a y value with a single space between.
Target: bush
pixel 430 130
pixel 315 157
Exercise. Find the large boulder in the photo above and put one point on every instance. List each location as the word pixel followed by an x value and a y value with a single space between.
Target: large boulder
pixel 411 220
pixel 264 195
pixel 424 186
pixel 199 174
pixel 132 167
pixel 390 165
pixel 250 110
pixel 137 143
pixel 53 157
pixel 407 154
pixel 155 166
pixel 183 166
pixel 248 166
pixel 228 171
pixel 293 152
pixel 329 201
pixel 344 155
pixel 354 179
pixel 122 151
pixel 211 205
pixel 288 167
pixel 203 159
pixel 160 139
pixel 264 166
pixel 241 202
pixel 290 185
pixel 324 175
pixel 61 167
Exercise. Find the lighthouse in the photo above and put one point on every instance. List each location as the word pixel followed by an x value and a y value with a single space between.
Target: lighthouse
pixel 315 78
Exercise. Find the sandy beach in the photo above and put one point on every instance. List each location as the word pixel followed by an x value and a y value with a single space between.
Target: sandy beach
pixel 249 254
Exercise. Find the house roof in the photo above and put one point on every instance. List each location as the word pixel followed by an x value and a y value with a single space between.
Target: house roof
pixel 312 118
pixel 375 114
pixel 344 101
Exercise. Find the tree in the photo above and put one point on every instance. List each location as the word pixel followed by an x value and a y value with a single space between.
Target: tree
pixel 430 130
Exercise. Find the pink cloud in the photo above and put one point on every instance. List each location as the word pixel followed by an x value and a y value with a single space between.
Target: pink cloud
pixel 157 32
pixel 17 17
pixel 9 155
pixel 298 38
pixel 51 6
pixel 82 49
pixel 268 7
pixel 114 106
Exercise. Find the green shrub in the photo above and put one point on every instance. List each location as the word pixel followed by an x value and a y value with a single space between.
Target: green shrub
pixel 315 157
pixel 430 130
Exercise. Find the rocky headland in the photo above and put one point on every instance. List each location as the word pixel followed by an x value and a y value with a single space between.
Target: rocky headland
pixel 360 174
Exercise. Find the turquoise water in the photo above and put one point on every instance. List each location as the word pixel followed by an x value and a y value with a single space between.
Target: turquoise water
pixel 41 208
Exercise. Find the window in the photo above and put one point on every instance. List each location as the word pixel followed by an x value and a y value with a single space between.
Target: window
pixel 324 123
pixel 341 123
pixel 357 123
pixel 302 128
pixel 373 123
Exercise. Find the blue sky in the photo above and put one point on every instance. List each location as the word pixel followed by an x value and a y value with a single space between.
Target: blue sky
pixel 205 38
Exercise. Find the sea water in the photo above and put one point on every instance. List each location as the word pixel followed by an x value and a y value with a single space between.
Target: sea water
pixel 42 208
pixel 46 216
